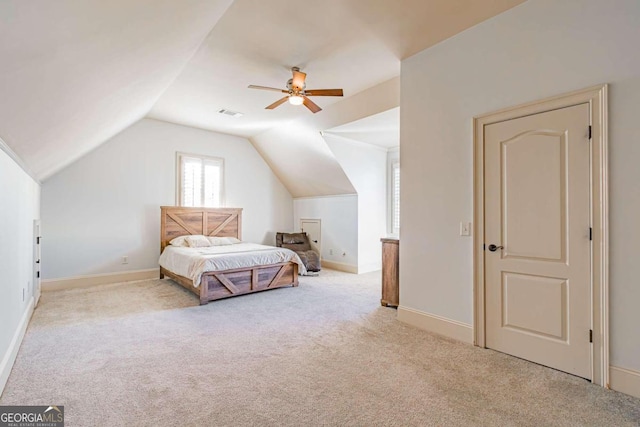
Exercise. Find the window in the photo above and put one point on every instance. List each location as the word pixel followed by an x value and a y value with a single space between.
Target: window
pixel 395 198
pixel 200 180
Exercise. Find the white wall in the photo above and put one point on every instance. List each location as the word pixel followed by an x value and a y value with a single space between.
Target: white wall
pixel 538 49
pixel 339 216
pixel 19 206
pixel 366 167
pixel 107 204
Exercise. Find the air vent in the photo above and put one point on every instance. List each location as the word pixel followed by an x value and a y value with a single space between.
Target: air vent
pixel 230 113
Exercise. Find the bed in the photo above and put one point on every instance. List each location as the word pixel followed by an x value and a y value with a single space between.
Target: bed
pixel 272 271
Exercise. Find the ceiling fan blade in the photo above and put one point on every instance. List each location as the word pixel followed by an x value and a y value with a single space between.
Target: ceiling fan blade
pixel 310 105
pixel 277 103
pixel 323 92
pixel 298 79
pixel 268 88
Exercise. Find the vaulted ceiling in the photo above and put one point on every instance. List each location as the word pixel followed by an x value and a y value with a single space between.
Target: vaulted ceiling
pixel 381 129
pixel 75 73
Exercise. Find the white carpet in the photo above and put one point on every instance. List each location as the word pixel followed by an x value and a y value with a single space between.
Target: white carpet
pixel 325 353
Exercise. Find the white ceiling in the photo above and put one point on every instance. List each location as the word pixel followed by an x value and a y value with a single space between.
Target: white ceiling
pixel 257 42
pixel 382 129
pixel 75 73
pixel 349 44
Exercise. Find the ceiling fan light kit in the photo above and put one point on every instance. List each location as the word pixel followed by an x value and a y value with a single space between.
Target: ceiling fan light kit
pixel 296 100
pixel 297 92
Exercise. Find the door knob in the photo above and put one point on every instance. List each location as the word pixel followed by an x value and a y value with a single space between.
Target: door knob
pixel 494 248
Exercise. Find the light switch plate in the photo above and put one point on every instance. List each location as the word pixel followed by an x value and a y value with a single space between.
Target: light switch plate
pixel 465 229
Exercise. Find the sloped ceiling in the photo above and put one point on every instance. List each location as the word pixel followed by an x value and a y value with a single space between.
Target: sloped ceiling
pixel 257 42
pixel 349 44
pixel 382 129
pixel 301 157
pixel 74 73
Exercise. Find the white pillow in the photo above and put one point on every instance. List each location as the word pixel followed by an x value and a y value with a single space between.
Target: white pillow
pixel 194 241
pixel 197 241
pixel 223 241
pixel 179 241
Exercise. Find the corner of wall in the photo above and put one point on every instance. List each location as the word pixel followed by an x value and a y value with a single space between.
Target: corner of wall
pixel 5 147
pixel 372 266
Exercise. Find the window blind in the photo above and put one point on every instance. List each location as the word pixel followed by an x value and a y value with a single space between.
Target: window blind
pixel 200 181
pixel 395 189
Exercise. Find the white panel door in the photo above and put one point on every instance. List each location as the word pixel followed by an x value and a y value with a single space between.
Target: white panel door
pixel 312 228
pixel 537 237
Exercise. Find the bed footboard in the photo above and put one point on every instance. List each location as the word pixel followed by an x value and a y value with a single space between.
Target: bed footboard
pixel 216 285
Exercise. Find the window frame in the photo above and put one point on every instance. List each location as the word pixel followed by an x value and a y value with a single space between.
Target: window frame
pixel 218 160
pixel 395 164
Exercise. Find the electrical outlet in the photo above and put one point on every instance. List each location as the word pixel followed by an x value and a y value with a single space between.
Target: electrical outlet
pixel 125 259
pixel 330 251
pixel 465 229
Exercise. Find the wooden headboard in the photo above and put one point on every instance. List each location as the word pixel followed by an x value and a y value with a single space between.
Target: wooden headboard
pixel 180 221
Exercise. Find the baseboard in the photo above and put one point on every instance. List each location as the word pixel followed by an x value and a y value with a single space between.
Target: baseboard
pixel 12 352
pixel 340 266
pixel 439 325
pixel 98 279
pixel 625 381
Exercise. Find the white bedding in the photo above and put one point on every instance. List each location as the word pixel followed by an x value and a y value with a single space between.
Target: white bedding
pixel 192 262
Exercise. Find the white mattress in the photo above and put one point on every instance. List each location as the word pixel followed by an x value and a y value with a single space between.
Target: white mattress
pixel 192 262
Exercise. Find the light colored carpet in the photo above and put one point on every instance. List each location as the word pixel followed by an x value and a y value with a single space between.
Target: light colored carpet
pixel 324 353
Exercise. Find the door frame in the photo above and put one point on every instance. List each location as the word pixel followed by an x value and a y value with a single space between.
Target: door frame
pixel 596 97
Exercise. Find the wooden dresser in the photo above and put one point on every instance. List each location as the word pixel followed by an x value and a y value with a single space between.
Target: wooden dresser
pixel 390 272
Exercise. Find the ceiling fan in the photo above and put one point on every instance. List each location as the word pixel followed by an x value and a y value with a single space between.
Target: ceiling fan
pixel 297 93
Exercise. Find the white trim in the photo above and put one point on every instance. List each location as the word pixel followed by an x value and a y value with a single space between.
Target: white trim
pixel 98 279
pixel 596 97
pixel 5 147
pixel 391 183
pixel 9 357
pixel 392 158
pixel 325 196
pixel 340 266
pixel 437 324
pixel 625 381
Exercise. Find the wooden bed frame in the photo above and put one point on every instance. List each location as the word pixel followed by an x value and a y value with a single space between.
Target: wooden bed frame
pixel 223 222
